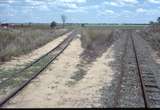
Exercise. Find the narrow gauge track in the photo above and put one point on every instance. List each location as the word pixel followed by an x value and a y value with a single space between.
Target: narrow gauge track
pixel 42 63
pixel 118 89
pixel 149 88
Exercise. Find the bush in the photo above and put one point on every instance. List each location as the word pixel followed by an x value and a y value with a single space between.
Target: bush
pixel 53 24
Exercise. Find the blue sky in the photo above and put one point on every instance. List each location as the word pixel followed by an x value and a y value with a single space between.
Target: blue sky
pixel 78 11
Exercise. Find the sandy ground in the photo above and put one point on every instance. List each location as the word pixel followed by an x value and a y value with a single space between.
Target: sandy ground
pixel 52 87
pixel 24 59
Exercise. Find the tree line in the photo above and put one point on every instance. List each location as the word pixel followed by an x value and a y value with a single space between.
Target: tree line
pixel 157 22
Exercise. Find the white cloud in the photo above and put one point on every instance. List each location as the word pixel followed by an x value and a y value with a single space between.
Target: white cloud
pixel 111 3
pixel 7 1
pixel 67 6
pixel 141 10
pixel 147 12
pixel 106 12
pixel 130 1
pixel 39 5
pixel 43 8
pixel 120 3
pixel 11 1
pixel 93 7
pixel 73 1
pixel 154 1
pixel 35 2
pixel 109 11
pixel 76 10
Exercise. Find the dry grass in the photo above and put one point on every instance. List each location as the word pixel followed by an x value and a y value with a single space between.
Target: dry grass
pixel 94 37
pixel 95 42
pixel 152 37
pixel 14 42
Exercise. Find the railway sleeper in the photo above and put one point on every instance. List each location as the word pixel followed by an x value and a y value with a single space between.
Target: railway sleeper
pixel 155 105
pixel 145 66
pixel 145 71
pixel 143 60
pixel 151 85
pixel 155 95
pixel 150 80
pixel 152 90
pixel 154 98
pixel 148 76
pixel 148 73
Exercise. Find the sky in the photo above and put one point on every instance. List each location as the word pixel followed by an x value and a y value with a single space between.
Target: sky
pixel 79 11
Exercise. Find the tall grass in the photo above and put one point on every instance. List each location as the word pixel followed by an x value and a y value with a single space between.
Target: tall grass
pixel 95 42
pixel 95 37
pixel 15 42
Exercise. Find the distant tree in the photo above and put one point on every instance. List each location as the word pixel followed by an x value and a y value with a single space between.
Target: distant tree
pixel 158 20
pixel 53 24
pixel 63 17
pixel 151 22
pixel 82 25
pixel 29 24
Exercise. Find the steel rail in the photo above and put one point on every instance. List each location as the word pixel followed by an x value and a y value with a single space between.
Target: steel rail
pixel 145 98
pixel 7 98
pixel 23 69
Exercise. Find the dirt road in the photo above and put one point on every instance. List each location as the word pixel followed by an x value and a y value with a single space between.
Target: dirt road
pixel 68 82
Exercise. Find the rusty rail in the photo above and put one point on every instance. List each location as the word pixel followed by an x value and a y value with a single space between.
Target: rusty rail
pixel 144 94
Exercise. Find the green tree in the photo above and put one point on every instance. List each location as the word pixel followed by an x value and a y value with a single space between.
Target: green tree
pixel 53 24
pixel 151 22
pixel 82 25
pixel 158 20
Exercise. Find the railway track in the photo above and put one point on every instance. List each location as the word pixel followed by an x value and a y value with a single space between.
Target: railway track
pixel 149 87
pixel 27 74
pixel 135 73
pixel 118 89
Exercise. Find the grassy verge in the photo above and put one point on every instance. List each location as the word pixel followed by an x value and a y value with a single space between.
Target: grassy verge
pixel 15 42
pixel 93 38
pixel 153 38
pixel 95 42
